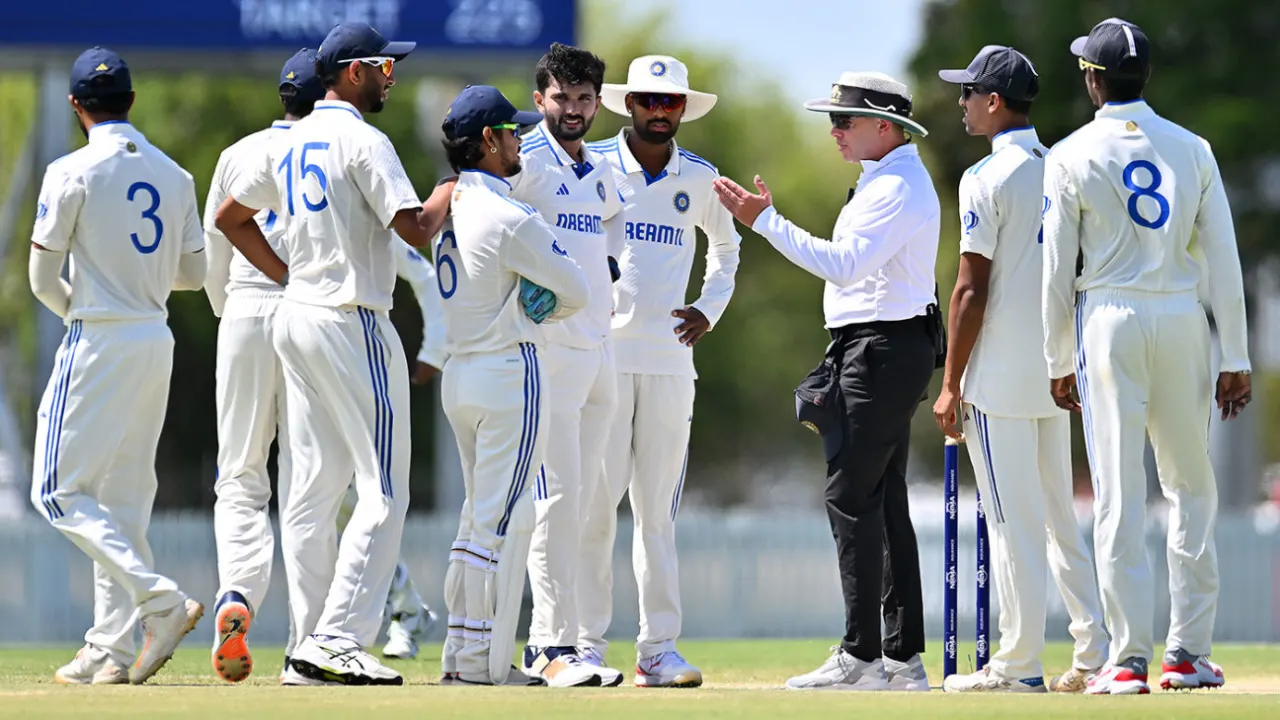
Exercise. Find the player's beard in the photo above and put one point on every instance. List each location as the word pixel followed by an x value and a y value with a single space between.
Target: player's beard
pixel 80 122
pixel 563 134
pixel 513 166
pixel 373 96
pixel 656 137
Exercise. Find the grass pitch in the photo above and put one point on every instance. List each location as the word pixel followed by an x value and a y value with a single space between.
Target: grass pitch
pixel 743 680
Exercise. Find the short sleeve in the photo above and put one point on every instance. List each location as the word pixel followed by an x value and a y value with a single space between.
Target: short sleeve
pixel 252 183
pixel 979 220
pixel 61 196
pixel 382 180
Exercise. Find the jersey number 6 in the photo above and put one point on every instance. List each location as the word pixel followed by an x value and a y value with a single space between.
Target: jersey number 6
pixel 442 260
pixel 148 214
pixel 1149 191
pixel 305 168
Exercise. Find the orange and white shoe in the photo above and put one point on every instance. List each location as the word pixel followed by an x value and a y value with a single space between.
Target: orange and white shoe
pixel 1129 677
pixel 161 633
pixel 1184 671
pixel 231 658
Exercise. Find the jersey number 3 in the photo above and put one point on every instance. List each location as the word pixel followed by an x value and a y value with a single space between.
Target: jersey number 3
pixel 148 214
pixel 442 260
pixel 1150 191
pixel 305 169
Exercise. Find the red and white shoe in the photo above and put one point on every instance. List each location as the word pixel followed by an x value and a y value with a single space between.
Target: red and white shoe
pixel 1184 671
pixel 1127 678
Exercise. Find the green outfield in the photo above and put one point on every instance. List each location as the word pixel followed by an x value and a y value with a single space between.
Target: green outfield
pixel 743 680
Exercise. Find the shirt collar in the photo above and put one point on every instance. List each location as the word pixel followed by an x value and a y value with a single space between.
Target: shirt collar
pixel 483 178
pixel 338 105
pixel 1022 137
pixel 907 150
pixel 113 127
pixel 562 156
pixel 283 124
pixel 1132 110
pixel 631 165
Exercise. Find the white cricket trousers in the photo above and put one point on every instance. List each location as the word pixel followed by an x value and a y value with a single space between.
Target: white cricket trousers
pixel 1142 367
pixel 1023 468
pixel 94 473
pixel 496 405
pixel 347 411
pixel 583 400
pixel 646 456
pixel 250 400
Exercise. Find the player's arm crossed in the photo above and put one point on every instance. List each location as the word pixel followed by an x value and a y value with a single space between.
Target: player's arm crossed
pixel 979 227
pixel 61 197
pixel 532 252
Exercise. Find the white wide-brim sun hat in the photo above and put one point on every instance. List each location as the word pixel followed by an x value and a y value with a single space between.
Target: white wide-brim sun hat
pixel 871 94
pixel 657 74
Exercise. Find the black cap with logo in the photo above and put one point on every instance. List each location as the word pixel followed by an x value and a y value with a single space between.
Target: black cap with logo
pixel 1001 70
pixel 1116 48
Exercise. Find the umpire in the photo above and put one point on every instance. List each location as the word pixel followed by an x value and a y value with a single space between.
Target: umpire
pixel 880 304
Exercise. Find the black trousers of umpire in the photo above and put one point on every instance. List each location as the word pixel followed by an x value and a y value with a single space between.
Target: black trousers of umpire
pixel 883 370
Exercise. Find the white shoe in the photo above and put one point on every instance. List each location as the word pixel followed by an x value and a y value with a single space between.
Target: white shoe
pixel 608 676
pixel 909 675
pixel 1184 671
pixel 560 667
pixel 1127 678
pixel 667 669
pixel 92 666
pixel 843 671
pixel 342 661
pixel 406 631
pixel 161 633
pixel 987 680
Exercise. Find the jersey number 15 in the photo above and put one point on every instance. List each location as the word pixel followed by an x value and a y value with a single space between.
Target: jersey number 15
pixel 305 169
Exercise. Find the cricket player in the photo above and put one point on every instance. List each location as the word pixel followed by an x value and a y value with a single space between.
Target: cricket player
pixel 666 194
pixel 502 272
pixel 342 189
pixel 572 187
pixel 250 388
pixel 1018 440
pixel 126 215
pixel 1138 201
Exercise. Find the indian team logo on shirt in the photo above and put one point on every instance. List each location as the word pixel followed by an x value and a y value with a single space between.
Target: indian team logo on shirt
pixel 658 68
pixel 970 221
pixel 600 189
pixel 681 201
pixel 41 211
pixel 555 248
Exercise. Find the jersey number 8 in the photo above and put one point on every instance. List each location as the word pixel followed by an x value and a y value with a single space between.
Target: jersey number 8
pixel 305 169
pixel 148 214
pixel 1150 191
pixel 442 260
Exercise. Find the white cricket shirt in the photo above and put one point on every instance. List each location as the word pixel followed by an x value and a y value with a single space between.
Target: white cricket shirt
pixel 880 263
pixel 125 213
pixel 661 214
pixel 1001 204
pixel 1141 200
pixel 229 271
pixel 338 183
pixel 495 241
pixel 421 276
pixel 581 202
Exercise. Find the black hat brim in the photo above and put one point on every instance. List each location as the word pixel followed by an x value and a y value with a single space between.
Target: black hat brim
pixel 399 49
pixel 956 77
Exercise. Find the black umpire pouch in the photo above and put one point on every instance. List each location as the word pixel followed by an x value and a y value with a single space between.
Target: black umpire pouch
pixel 937 328
pixel 820 405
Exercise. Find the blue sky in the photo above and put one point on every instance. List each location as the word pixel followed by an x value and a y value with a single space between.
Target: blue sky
pixel 805 44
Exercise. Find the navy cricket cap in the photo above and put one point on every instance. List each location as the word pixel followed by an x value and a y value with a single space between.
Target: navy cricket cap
pixel 480 106
pixel 99 72
pixel 1001 70
pixel 1117 48
pixel 357 40
pixel 299 72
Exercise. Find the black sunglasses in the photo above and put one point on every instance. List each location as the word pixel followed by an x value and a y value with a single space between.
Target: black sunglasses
pixel 841 121
pixel 969 89
pixel 667 101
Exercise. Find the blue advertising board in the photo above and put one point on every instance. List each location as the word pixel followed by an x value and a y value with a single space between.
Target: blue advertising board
pixel 453 27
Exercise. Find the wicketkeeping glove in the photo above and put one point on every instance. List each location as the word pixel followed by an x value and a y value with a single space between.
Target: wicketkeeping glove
pixel 538 302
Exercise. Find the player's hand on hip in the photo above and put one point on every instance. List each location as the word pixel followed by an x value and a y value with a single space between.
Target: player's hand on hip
pixel 946 413
pixel 1063 391
pixel 743 205
pixel 695 325
pixel 423 373
pixel 1235 390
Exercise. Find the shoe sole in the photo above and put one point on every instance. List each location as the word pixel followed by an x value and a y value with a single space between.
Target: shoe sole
pixel 195 611
pixel 1126 689
pixel 231 659
pixel 315 672
pixel 61 679
pixel 648 681
pixel 1178 681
